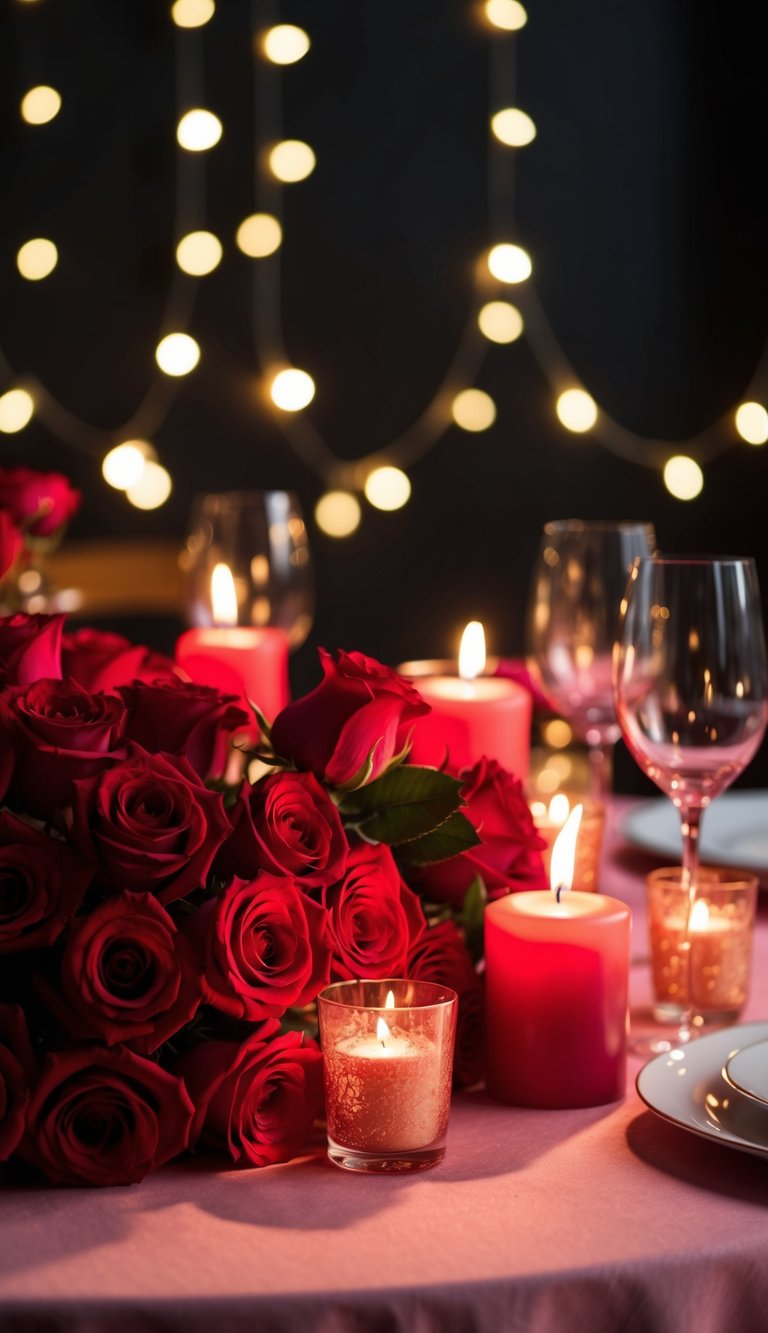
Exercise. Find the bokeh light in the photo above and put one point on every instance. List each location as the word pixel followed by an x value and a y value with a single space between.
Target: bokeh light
pixel 577 410
pixel 387 488
pixel 259 235
pixel 509 263
pixel 198 130
pixel 292 160
pixel 337 513
pixel 198 253
pixel 683 477
pixel 177 354
pixel 123 466
pixel 16 408
pixel 752 423
pixel 500 322
pixel 37 258
pixel 513 127
pixel 40 105
pixel 509 15
pixel 192 13
pixel 473 410
pixel 285 44
pixel 292 389
pixel 152 488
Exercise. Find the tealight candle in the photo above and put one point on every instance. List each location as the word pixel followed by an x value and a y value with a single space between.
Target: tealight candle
pixel 472 715
pixel 557 968
pixel 549 819
pixel 388 1056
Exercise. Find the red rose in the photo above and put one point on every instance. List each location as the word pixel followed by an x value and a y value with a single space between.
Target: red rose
pixel 101 661
pixel 63 733
pixel 104 1117
pixel 375 918
pixel 17 1073
pixel 257 1101
pixel 127 974
pixel 179 717
pixel 265 947
pixel 509 856
pixel 149 824
pixel 360 707
pixel 40 502
pixel 42 882
pixel 10 542
pixel 442 956
pixel 286 824
pixel 30 647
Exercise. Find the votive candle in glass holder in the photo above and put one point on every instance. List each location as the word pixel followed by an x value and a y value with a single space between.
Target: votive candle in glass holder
pixel 550 818
pixel 714 980
pixel 388 1058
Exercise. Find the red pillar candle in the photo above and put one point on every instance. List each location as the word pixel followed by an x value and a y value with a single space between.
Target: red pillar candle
pixel 557 968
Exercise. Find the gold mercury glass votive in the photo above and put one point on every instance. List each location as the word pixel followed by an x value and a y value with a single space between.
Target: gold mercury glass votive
pixel 549 820
pixel 722 920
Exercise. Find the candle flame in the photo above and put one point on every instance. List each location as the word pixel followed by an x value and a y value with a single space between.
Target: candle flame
pixel 699 919
pixel 472 651
pixel 564 852
pixel 382 1031
pixel 389 1003
pixel 559 809
pixel 223 596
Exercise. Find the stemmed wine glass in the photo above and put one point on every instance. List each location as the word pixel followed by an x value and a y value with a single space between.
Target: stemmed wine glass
pixel 578 584
pixel 691 687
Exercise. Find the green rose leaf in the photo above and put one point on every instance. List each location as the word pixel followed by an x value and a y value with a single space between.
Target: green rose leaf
pixel 472 917
pixel 402 805
pixel 453 836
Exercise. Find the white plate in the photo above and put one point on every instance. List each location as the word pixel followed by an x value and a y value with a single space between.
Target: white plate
pixel 734 830
pixel 747 1071
pixel 687 1086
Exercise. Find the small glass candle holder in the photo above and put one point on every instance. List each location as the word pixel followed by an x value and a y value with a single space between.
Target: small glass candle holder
pixel 549 820
pixel 714 980
pixel 388 1056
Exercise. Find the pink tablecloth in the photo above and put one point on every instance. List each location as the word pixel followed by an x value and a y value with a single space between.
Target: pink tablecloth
pixel 557 1222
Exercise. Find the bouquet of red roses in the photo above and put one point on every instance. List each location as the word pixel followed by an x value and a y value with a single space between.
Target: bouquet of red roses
pixel 165 933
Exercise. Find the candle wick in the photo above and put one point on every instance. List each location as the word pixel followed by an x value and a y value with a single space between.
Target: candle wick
pixel 560 889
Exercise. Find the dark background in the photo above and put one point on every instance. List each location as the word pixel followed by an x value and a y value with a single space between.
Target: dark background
pixel 642 202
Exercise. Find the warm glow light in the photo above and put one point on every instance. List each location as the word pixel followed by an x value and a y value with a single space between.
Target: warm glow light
pixel 387 488
pixel 192 13
pixel 564 851
pixel 500 322
pixel 559 809
pixel 472 651
pixel 752 423
pixel 382 1031
pixel 509 263
pixel 292 390
pixel 513 127
pixel 683 477
pixel 337 513
pixel 122 466
pixel 699 919
pixel 37 258
pixel 223 596
pixel 198 253
pixel 177 354
pixel 198 130
pixel 285 44
pixel 577 410
pixel 474 410
pixel 292 160
pixel 16 408
pixel 152 489
pixel 389 1003
pixel 40 105
pixel 259 235
pixel 507 14
pixel 557 733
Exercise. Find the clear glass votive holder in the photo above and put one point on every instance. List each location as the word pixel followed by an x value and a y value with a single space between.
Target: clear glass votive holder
pixel 714 981
pixel 388 1058
pixel 549 820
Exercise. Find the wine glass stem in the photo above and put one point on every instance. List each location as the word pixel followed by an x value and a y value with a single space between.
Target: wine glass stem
pixel 600 772
pixel 691 823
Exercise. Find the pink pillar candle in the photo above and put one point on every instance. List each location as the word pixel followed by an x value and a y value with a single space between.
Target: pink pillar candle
pixel 556 987
pixel 242 660
pixel 470 718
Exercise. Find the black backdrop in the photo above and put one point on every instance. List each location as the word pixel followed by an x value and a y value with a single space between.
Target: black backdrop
pixel 642 202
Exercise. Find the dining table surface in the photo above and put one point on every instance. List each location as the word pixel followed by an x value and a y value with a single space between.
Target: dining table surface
pixel 604 1218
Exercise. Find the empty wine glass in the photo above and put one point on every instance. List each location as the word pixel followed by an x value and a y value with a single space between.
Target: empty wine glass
pixel 691 687
pixel 579 581
pixel 261 538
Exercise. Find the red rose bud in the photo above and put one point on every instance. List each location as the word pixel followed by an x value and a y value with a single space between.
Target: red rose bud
pixel 101 661
pixel 285 824
pixel 265 947
pixel 40 502
pixel 17 1074
pixel 359 708
pixel 42 882
pixel 375 918
pixel 30 648
pixel 179 717
pixel 255 1102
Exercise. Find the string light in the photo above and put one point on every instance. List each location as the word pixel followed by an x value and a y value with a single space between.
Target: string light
pixel 285 44
pixel 192 13
pixel 387 488
pixel 40 105
pixel 292 389
pixel 177 354
pixel 752 423
pixel 37 259
pixel 577 410
pixel 259 235
pixel 473 410
pixel 513 127
pixel 292 160
pixel 683 477
pixel 152 488
pixel 337 513
pixel 500 322
pixel 16 408
pixel 198 253
pixel 198 130
pixel 509 263
pixel 506 14
pixel 123 466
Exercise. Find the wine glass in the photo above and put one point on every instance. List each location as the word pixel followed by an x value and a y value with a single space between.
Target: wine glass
pixel 691 687
pixel 261 538
pixel 580 579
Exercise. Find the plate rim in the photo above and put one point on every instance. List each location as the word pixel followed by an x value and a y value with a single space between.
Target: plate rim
pixel 644 806
pixel 739 1087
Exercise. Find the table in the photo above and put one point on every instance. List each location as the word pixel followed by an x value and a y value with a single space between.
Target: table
pixel 552 1221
